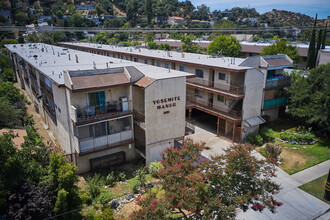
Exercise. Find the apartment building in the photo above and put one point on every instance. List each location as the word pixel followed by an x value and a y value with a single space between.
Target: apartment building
pixel 222 87
pixel 102 110
pixel 275 97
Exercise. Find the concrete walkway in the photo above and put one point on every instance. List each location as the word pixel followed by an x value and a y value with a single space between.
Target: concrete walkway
pixel 297 204
pixel 311 173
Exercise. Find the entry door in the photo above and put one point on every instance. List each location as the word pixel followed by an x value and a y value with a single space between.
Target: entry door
pixel 97 100
pixel 212 78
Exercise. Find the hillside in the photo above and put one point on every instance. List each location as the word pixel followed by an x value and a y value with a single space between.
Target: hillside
pixel 288 18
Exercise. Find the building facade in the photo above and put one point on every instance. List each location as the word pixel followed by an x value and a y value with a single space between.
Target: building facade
pixel 102 110
pixel 222 87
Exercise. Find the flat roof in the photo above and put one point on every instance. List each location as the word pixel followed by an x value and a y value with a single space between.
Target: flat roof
pixel 229 63
pixel 53 60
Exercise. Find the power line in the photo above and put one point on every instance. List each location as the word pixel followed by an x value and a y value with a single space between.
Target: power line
pixel 154 30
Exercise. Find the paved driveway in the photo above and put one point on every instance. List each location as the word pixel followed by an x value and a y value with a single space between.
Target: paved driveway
pixel 297 204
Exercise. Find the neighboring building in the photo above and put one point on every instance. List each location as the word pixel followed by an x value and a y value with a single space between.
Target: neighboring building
pixel 224 89
pixel 85 7
pixel 160 20
pixel 102 110
pixel 275 99
pixel 44 18
pixel 323 57
pixel 176 20
pixel 243 37
pixel 251 20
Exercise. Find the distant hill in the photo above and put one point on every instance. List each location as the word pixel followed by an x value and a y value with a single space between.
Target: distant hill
pixel 288 18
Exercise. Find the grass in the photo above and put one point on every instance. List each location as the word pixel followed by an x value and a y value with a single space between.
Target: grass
pixel 316 187
pixel 299 157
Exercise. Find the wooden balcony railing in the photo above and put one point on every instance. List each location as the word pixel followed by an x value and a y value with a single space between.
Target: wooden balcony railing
pixel 208 106
pixel 232 89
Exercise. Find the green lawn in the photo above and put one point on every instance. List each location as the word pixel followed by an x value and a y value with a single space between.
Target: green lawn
pixel 299 157
pixel 316 187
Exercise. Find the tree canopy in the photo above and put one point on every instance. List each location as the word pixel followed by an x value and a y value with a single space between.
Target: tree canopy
pixel 282 47
pixel 310 96
pixel 206 189
pixel 226 44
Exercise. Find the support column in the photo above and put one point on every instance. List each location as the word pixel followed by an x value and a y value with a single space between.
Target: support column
pixel 218 126
pixel 234 128
pixel 190 112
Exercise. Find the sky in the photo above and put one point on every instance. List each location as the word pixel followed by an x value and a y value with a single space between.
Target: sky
pixel 308 7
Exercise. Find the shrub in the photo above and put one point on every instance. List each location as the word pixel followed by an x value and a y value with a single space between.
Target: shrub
pixel 154 167
pixel 300 137
pixel 286 136
pixel 107 214
pixel 267 134
pixel 136 188
pixel 141 176
pixel 85 198
pixel 254 138
pixel 94 185
pixel 110 179
pixel 274 150
pixel 105 197
pixel 122 176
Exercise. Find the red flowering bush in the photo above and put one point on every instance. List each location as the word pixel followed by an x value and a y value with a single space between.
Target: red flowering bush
pixel 212 188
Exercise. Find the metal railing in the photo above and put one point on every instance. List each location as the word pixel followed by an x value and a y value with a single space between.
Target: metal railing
pixel 189 127
pixel 96 143
pixel 111 108
pixel 232 89
pixel 213 107
pixel 278 82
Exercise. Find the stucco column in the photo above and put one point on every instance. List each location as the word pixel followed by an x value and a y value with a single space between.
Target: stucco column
pixel 218 126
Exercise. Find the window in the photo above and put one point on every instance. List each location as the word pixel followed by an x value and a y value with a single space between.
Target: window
pixel 166 65
pixel 114 55
pixel 222 76
pixel 198 93
pixel 136 59
pixel 199 73
pixel 158 63
pixel 96 99
pixel 221 98
pixel 183 68
pixel 146 61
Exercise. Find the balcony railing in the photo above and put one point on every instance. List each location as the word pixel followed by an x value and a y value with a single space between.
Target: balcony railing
pixel 208 106
pixel 275 102
pixel 278 82
pixel 92 144
pixel 232 89
pixel 189 127
pixel 112 108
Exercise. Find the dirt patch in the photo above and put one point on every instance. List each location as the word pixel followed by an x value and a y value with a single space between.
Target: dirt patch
pixel 127 210
pixel 40 126
pixel 120 12
pixel 292 159
pixel 19 133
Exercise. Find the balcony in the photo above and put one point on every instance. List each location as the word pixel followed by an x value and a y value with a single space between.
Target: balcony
pixel 139 117
pixel 275 102
pixel 213 109
pixel 92 144
pixel 277 82
pixel 215 87
pixel 189 127
pixel 98 112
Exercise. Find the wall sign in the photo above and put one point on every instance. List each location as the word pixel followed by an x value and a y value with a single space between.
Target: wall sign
pixel 166 103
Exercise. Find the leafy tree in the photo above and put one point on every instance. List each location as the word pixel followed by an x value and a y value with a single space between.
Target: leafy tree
pixel 7 75
pixel 202 13
pixel 149 11
pixel 282 47
pixel 20 19
pixel 208 189
pixel 30 202
pixel 310 63
pixel 309 96
pixel 8 41
pixel 188 45
pixel 324 37
pixel 132 12
pixel 228 45
pixel 149 37
pixel 62 176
